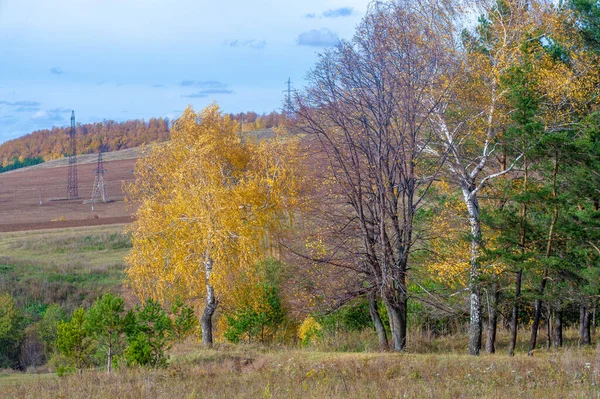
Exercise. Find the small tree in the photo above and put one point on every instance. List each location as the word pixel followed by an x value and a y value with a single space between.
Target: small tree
pixel 209 203
pixel 184 319
pixel 47 327
pixel 73 341
pixel 10 331
pixel 257 320
pixel 149 330
pixel 106 324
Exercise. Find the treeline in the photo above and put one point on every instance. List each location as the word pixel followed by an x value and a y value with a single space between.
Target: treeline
pixel 49 144
pixel 17 163
pixel 252 121
pixel 465 173
pixel 109 135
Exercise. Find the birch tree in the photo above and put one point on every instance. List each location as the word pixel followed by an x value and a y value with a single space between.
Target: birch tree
pixel 208 204
pixel 468 129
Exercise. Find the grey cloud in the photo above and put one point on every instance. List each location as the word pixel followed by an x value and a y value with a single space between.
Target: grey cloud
pixel 333 13
pixel 339 12
pixel 254 44
pixel 56 71
pixel 207 92
pixel 20 103
pixel 203 84
pixel 318 38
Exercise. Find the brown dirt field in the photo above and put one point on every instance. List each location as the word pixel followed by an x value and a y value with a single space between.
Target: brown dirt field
pixel 20 207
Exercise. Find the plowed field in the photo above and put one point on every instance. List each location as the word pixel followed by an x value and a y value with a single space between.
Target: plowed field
pixel 21 191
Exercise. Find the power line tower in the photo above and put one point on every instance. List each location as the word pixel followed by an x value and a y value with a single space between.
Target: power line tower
pixel 72 187
pixel 288 109
pixel 99 191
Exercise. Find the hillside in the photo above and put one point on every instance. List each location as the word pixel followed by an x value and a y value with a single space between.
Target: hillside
pixel 23 189
pixel 109 135
pixel 50 144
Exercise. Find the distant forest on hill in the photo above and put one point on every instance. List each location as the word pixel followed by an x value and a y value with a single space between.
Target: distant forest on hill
pixel 49 144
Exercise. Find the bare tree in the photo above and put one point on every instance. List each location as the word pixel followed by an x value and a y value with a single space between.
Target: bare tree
pixel 370 105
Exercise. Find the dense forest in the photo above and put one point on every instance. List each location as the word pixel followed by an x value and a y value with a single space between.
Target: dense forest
pixel 252 121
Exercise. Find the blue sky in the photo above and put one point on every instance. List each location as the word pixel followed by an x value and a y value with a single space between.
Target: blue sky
pixel 128 59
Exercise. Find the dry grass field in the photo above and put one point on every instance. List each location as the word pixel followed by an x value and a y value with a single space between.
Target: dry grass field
pixel 254 372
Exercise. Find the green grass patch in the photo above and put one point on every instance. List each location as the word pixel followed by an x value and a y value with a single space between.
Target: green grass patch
pixel 70 267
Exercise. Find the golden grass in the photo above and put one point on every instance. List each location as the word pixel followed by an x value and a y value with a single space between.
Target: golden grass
pixel 254 372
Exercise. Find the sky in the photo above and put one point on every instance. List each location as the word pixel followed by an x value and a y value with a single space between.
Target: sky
pixel 134 59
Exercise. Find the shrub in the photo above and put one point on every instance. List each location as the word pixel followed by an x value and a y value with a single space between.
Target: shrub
pixel 184 319
pixel 46 327
pixel 352 317
pixel 32 353
pixel 309 331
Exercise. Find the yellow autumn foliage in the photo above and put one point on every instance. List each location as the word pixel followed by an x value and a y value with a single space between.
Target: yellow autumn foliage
pixel 309 330
pixel 208 194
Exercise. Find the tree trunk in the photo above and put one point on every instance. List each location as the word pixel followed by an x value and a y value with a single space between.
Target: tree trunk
pixel 558 328
pixel 475 319
pixel 585 318
pixel 593 324
pixel 397 314
pixel 376 318
pixel 490 345
pixel 538 302
pixel 207 327
pixel 581 322
pixel 537 315
pixel 211 306
pixel 548 326
pixel 514 321
pixel 109 362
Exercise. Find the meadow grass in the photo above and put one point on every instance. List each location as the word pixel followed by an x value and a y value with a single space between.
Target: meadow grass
pixel 94 245
pixel 74 266
pixel 70 266
pixel 245 371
